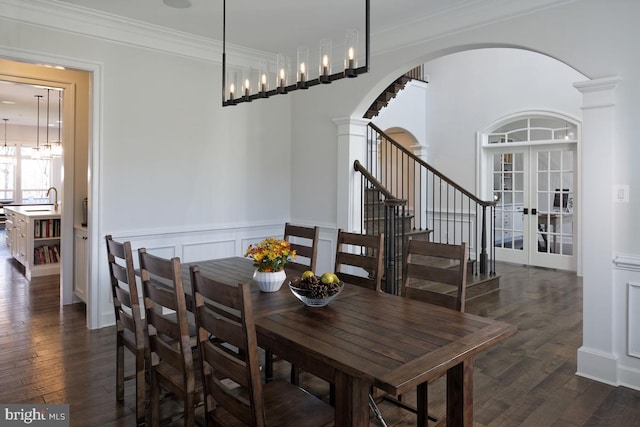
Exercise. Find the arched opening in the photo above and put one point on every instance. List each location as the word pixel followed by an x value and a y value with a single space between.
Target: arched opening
pixel 471 87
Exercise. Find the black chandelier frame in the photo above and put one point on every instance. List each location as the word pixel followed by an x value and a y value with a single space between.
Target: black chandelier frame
pixel 305 84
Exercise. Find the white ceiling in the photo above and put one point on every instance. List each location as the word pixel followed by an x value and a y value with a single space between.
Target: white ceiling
pixel 261 25
pixel 253 24
pixel 18 103
pixel 255 17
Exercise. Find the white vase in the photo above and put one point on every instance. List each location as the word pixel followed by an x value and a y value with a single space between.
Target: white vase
pixel 269 281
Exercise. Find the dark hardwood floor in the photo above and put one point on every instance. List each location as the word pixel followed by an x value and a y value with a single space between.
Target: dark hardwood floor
pixel 48 356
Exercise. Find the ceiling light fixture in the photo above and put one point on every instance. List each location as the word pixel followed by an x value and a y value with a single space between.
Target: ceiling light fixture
pixel 45 151
pixel 56 148
pixel 7 156
pixel 36 153
pixel 244 84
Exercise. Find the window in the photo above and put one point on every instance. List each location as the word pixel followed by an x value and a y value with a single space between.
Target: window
pixel 35 177
pixel 7 174
pixel 534 129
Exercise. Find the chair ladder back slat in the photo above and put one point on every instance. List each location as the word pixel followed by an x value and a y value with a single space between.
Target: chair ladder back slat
pixel 432 269
pixel 304 240
pixel 364 251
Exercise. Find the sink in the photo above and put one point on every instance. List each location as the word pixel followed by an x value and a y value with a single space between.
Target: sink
pixel 40 208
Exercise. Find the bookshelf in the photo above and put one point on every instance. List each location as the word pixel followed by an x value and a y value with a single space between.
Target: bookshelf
pixel 34 236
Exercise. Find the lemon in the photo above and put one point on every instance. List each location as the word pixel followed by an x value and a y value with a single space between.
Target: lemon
pixel 327 278
pixel 307 274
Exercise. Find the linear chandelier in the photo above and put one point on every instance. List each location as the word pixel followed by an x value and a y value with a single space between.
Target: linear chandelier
pixel 274 76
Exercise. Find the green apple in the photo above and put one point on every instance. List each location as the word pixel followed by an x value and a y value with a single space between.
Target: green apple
pixel 327 278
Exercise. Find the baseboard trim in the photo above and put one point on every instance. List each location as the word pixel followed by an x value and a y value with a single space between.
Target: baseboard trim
pixel 598 366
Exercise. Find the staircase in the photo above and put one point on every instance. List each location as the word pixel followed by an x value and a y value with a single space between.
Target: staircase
pixel 404 196
pixel 392 90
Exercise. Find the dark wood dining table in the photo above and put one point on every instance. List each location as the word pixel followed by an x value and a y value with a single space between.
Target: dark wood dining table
pixel 365 338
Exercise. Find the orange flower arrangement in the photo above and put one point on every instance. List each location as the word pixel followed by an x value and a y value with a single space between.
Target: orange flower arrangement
pixel 271 254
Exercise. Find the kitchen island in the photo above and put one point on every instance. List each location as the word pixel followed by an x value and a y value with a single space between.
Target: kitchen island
pixel 33 237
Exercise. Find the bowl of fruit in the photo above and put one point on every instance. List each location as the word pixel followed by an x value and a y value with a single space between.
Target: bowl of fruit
pixel 316 291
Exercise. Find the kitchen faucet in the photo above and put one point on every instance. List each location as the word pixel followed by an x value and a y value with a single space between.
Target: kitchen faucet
pixel 55 190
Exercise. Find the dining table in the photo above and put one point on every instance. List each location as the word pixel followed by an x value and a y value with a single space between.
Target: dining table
pixel 366 338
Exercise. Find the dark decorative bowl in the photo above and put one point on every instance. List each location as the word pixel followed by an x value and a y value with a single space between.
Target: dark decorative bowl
pixel 315 297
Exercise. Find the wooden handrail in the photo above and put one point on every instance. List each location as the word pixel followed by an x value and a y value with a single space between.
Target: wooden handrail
pixel 432 169
pixel 389 197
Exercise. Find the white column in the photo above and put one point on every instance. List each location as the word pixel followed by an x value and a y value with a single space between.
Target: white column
pixel 596 357
pixel 352 138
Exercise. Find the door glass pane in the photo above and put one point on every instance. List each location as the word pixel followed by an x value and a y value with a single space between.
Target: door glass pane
pixel 555 218
pixel 555 160
pixel 518 181
pixel 567 160
pixel 543 161
pixel 543 181
pixel 508 173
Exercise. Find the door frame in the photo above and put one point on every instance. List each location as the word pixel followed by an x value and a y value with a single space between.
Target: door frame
pixel 30 59
pixel 484 157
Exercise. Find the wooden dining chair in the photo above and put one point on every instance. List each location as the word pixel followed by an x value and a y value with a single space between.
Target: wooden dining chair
pixel 171 355
pixel 234 393
pixel 130 326
pixel 435 273
pixel 359 259
pixel 304 240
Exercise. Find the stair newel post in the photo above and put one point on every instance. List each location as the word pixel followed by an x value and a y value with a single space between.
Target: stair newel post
pixel 483 254
pixel 389 236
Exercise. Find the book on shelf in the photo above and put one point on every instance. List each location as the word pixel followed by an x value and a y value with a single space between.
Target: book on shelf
pixel 46 228
pixel 46 254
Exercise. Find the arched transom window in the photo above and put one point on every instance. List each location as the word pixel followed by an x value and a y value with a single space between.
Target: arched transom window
pixel 534 129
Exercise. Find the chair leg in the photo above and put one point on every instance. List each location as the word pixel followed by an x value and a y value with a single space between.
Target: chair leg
pixel 140 388
pixel 295 375
pixel 119 368
pixel 268 366
pixel 189 410
pixel 155 400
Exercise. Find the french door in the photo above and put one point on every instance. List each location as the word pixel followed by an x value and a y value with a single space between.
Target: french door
pixel 534 219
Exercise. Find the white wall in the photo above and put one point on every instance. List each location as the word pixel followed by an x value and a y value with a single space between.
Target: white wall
pixel 407 111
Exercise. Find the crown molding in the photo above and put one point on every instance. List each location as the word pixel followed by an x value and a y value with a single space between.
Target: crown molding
pixel 458 18
pixel 59 16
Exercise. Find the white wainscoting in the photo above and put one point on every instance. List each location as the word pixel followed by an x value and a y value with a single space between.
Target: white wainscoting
pixel 633 316
pixel 450 227
pixel 200 244
pixel 626 309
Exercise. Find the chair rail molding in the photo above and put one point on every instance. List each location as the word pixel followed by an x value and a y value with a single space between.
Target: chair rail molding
pixel 627 262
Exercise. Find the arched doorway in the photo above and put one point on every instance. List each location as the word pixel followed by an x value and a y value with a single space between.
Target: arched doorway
pixel 530 164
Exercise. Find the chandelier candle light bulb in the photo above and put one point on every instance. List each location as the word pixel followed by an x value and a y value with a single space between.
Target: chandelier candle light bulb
pixel 325 64
pixel 303 60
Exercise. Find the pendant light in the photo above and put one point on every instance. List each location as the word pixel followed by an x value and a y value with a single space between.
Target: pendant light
pixel 56 148
pixel 45 150
pixel 7 156
pixel 36 153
